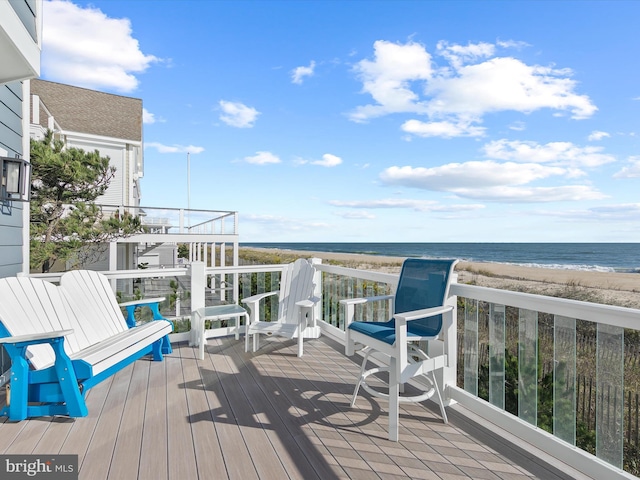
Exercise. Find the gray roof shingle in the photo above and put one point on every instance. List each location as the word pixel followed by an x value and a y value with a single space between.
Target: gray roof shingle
pixel 82 110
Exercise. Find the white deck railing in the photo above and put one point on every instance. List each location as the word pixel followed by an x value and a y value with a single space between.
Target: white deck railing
pixel 530 343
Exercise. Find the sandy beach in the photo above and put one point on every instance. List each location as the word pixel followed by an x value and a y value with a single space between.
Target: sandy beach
pixel 622 289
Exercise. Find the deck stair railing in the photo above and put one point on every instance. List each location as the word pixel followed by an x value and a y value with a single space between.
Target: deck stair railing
pixel 520 364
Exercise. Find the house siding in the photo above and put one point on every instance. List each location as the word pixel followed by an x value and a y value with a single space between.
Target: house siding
pixel 11 213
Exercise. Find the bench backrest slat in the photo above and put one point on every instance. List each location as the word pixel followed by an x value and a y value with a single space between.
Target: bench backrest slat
pixel 89 292
pixel 29 305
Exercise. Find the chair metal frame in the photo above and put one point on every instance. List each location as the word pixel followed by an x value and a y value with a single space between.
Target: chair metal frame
pixel 404 358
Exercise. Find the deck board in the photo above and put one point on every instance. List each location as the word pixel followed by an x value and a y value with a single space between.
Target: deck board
pixel 266 415
pixel 208 453
pixel 126 455
pixel 154 453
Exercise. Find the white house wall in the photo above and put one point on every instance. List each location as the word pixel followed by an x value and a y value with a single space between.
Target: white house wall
pixel 122 157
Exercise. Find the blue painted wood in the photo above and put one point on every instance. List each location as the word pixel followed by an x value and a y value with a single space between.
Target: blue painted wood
pixel 31 307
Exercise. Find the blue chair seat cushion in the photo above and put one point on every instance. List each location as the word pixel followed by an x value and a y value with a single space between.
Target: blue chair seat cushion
pixel 386 331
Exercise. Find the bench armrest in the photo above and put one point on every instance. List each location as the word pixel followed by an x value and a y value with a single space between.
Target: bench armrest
pixel 142 302
pixel 152 303
pixel 36 337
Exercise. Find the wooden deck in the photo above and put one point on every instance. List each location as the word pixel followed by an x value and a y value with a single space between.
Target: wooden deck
pixel 268 415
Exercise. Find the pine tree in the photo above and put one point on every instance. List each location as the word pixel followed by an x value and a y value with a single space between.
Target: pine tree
pixel 66 224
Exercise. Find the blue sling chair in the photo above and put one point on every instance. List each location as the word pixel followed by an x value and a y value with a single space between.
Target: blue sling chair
pixel 419 311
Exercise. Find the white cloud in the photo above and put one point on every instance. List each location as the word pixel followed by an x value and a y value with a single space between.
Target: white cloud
pixel 505 83
pixel 148 117
pixel 457 55
pixel 443 129
pixel 161 148
pixel 298 73
pixel 283 224
pixel 573 193
pixel 356 215
pixel 597 135
pixel 454 176
pixel 85 47
pixel 491 181
pixel 237 114
pixel 402 78
pixel 518 126
pixel 262 158
pixel 564 154
pixel 387 78
pixel 617 212
pixel 328 160
pixel 417 205
pixel 631 171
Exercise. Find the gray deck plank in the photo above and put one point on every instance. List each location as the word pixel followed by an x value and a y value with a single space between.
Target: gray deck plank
pixel 264 456
pixel 298 454
pixel 154 451
pixel 99 456
pixel 83 429
pixel 209 458
pixel 277 390
pixel 181 453
pixel 234 449
pixel 126 455
pixel 265 415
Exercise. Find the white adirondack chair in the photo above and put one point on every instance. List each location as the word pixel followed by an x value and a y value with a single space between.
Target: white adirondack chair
pixel 296 301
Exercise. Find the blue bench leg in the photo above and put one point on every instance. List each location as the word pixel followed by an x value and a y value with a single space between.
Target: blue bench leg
pixel 156 350
pixel 166 345
pixel 19 389
pixel 74 399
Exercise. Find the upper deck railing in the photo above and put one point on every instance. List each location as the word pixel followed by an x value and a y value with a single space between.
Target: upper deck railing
pixel 553 372
pixel 158 220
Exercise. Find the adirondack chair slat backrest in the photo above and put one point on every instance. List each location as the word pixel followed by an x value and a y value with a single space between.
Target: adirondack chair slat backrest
pixel 296 284
pixel 89 292
pixel 30 306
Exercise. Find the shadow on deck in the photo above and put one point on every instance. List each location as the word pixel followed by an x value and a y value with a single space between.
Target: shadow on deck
pixel 268 415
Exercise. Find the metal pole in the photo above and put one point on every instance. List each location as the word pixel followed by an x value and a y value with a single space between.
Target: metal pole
pixel 188 192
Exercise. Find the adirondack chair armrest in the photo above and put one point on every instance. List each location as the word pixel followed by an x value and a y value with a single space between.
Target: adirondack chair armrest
pixel 308 303
pixel 256 298
pixel 35 338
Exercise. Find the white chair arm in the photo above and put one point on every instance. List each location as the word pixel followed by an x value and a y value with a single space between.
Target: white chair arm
pixel 36 337
pixel 357 301
pixel 256 298
pixel 310 302
pixel 418 314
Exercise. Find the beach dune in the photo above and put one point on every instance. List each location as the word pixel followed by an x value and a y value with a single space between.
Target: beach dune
pixel 622 289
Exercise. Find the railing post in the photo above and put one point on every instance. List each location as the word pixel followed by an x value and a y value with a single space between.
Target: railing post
pixel 447 376
pixel 181 220
pixel 317 292
pixel 198 285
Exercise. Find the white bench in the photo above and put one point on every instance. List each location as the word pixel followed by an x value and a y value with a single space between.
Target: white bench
pixel 65 339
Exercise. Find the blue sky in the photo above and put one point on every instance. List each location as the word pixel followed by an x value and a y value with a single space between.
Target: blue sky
pixel 376 121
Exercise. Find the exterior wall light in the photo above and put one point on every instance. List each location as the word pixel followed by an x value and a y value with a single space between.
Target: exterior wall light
pixel 16 179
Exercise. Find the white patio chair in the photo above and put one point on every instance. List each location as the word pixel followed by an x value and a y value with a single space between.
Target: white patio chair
pixel 296 301
pixel 419 312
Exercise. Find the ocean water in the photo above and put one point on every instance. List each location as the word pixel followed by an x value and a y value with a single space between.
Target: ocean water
pixel 604 257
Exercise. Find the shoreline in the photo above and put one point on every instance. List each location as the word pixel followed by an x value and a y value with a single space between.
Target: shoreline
pixel 614 288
